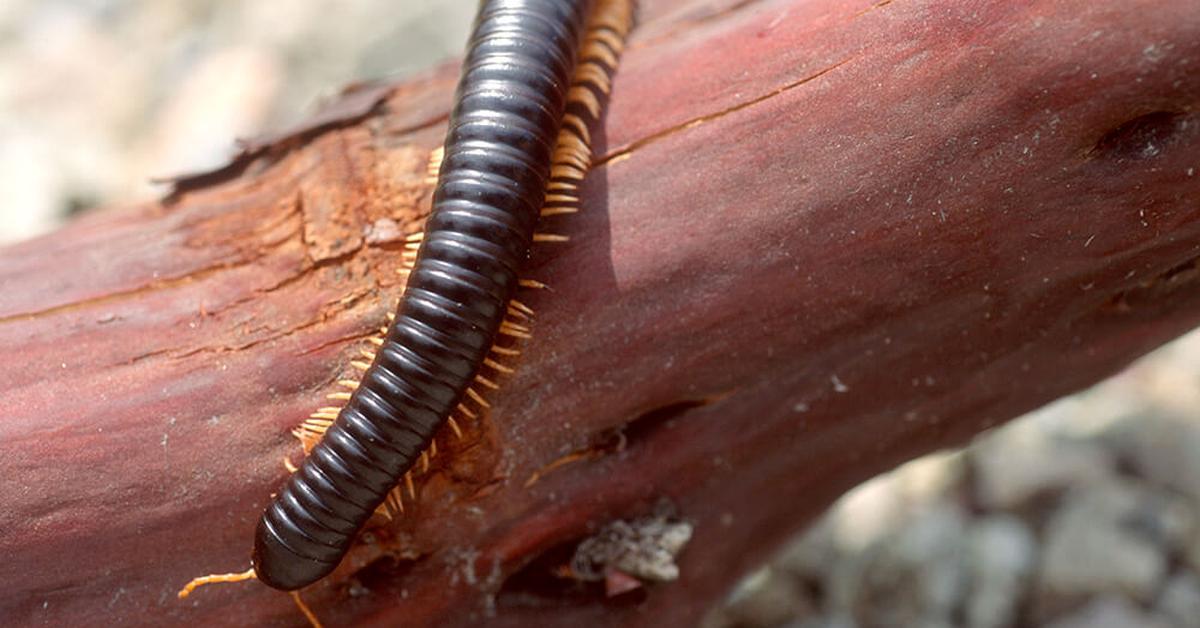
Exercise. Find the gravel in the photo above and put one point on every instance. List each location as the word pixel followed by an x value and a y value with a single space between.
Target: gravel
pixel 1084 514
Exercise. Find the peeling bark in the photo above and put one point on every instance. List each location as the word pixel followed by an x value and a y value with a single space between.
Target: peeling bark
pixel 824 237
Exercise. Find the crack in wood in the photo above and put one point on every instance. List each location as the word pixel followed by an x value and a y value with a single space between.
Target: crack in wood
pixel 624 153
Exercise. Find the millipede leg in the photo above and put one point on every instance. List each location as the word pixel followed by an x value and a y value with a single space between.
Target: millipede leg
pixel 478 398
pixel 308 614
pixel 214 579
pixel 393 504
pixel 550 237
pixel 532 283
pixel 505 351
pixel 454 426
pixel 498 367
pixel 434 166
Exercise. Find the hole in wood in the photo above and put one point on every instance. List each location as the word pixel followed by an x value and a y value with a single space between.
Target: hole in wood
pixel 1143 137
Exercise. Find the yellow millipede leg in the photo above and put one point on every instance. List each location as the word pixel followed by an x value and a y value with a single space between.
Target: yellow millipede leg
pixel 312 617
pixel 214 579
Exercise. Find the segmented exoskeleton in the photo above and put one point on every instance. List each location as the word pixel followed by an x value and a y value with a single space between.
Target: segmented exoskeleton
pixel 490 190
pixel 518 144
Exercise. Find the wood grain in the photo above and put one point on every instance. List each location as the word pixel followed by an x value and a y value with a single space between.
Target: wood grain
pixel 823 237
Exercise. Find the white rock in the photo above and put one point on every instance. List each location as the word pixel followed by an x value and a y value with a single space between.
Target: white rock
pixel 890 547
pixel 1001 555
pixel 1180 601
pixel 822 621
pixel 915 577
pixel 932 477
pixel 867 514
pixel 766 598
pixel 810 554
pixel 1163 449
pixel 1110 612
pixel 1023 460
pixel 1090 546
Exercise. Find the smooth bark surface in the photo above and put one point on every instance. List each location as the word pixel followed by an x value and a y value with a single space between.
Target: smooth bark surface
pixel 824 237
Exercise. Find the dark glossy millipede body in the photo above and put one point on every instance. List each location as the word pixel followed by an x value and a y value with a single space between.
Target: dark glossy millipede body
pixel 491 187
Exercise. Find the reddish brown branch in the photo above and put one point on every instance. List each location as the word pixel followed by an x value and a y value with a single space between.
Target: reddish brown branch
pixel 827 236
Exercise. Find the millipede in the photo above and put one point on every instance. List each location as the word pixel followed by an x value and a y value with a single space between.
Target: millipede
pixel 517 147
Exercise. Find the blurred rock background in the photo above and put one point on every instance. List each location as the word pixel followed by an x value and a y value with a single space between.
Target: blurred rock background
pixel 98 96
pixel 1083 514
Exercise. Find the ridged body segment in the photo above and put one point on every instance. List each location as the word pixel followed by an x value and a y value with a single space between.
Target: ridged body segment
pixel 491 188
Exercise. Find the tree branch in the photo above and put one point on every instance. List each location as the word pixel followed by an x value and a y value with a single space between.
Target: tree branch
pixel 826 236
